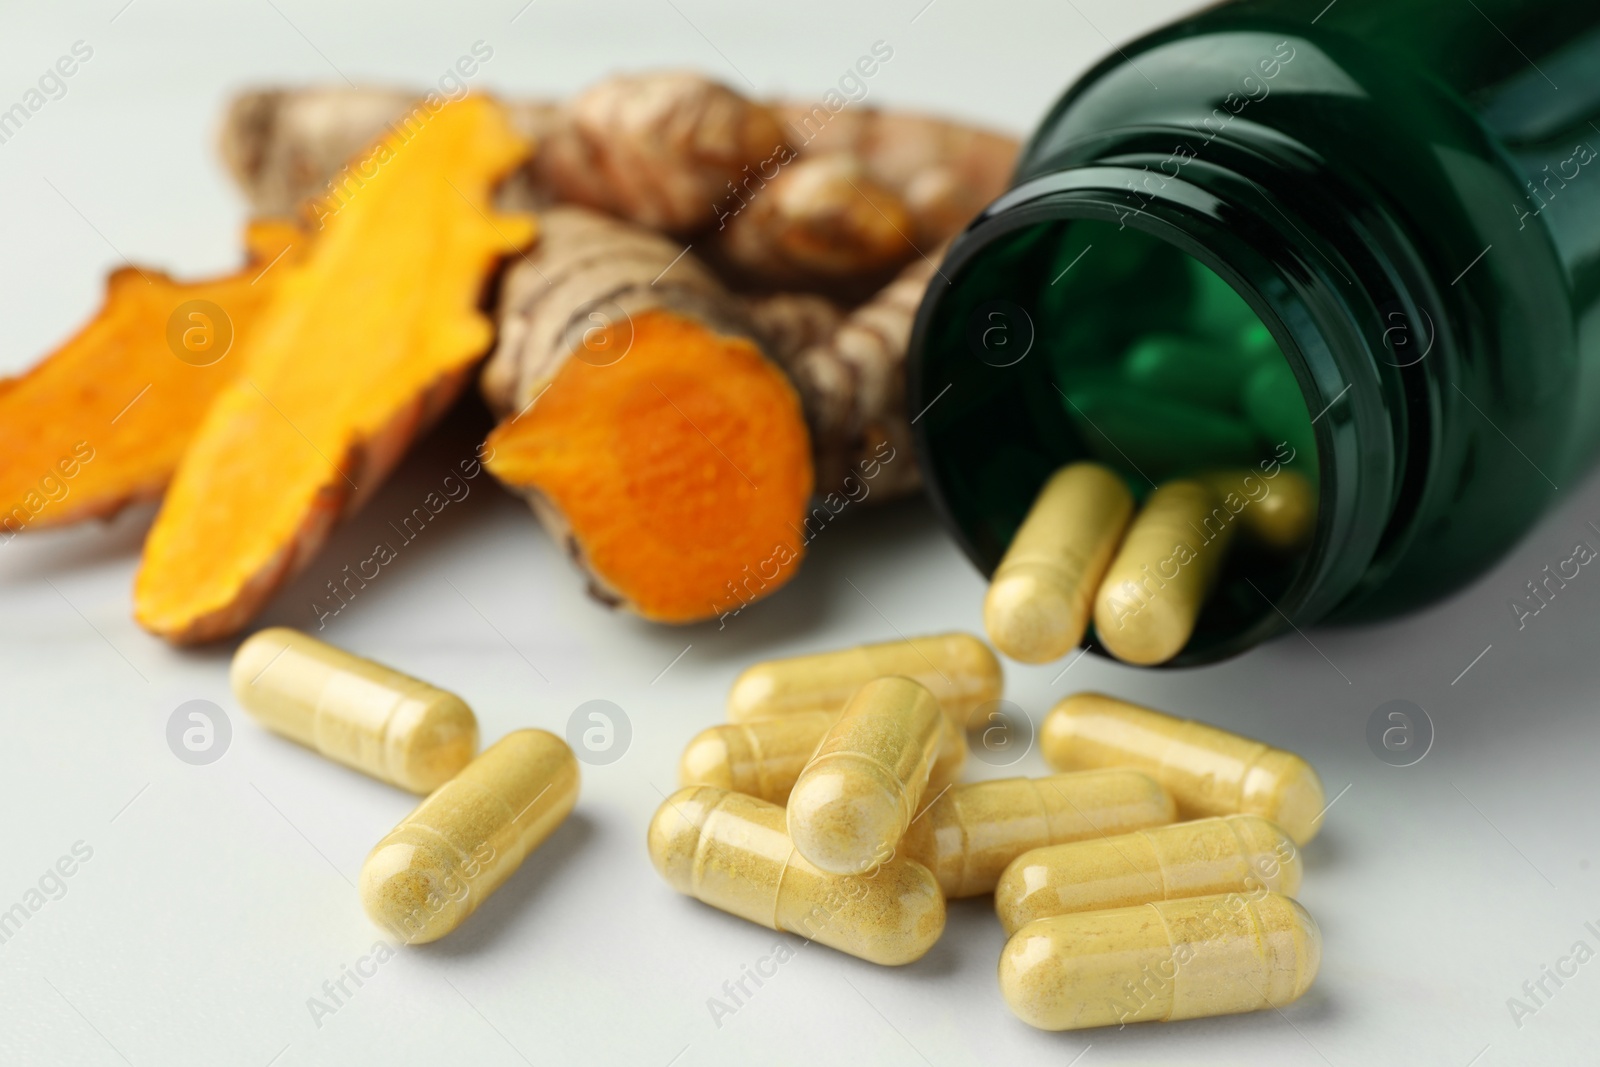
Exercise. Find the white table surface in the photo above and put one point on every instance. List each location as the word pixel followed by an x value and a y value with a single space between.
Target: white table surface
pixel 218 899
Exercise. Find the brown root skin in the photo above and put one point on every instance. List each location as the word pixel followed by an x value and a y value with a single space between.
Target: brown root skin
pixel 790 323
pixel 586 272
pixel 283 146
pixel 821 223
pixel 102 421
pixel 661 149
pixel 289 147
pixel 944 172
pixel 853 387
pixel 677 152
pixel 365 341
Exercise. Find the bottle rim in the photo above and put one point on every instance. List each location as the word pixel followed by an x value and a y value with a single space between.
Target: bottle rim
pixel 1325 312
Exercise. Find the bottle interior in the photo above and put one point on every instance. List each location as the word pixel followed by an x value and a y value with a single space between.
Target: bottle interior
pixel 1081 340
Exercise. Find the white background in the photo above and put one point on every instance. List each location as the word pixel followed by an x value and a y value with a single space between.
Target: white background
pixel 218 899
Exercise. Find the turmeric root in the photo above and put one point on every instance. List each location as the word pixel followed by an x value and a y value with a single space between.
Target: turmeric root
pixel 944 172
pixel 364 341
pixel 853 386
pixel 659 149
pixel 102 421
pixel 643 422
pixel 790 323
pixel 820 222
pixel 283 147
pixel 795 195
pixel 790 227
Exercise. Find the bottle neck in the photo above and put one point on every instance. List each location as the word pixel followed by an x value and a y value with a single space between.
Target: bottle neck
pixel 1329 276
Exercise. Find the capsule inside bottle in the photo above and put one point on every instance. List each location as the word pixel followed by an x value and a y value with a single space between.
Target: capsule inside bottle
pixel 448 856
pixel 1170 960
pixel 1237 853
pixel 1208 771
pixel 1279 514
pixel 1151 363
pixel 732 852
pixel 958 669
pixel 969 833
pixel 1150 599
pixel 367 716
pixel 1038 604
pixel 858 794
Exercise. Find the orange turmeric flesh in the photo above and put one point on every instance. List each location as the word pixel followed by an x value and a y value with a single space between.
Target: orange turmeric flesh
pixel 103 420
pixel 365 340
pixel 682 470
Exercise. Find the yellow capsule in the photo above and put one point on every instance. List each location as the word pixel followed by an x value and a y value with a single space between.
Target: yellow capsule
pixel 1236 853
pixel 855 798
pixel 970 833
pixel 1208 771
pixel 957 668
pixel 1279 511
pixel 1146 607
pixel 731 851
pixel 764 758
pixel 1174 959
pixel 444 859
pixel 360 713
pixel 1039 599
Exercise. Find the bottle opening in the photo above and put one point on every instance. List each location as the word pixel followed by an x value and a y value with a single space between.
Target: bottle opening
pixel 1079 339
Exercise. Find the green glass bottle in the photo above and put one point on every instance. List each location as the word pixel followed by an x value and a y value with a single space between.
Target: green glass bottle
pixel 1358 246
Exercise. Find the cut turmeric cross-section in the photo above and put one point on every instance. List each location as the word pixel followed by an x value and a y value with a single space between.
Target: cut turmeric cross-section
pixel 677 472
pixel 644 423
pixel 365 340
pixel 102 421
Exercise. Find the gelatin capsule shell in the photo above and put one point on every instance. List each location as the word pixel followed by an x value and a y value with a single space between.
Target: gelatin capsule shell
pixel 860 791
pixel 1208 771
pixel 448 856
pixel 957 668
pixel 1176 959
pixel 362 714
pixel 1040 597
pixel 733 852
pixel 1235 853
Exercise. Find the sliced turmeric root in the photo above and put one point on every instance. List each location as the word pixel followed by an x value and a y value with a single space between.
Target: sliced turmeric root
pixel 665 469
pixel 102 422
pixel 644 422
pixel 364 342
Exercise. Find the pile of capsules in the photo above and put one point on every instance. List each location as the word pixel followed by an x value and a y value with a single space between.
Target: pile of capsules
pixel 828 808
pixel 1143 578
pixel 483 814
